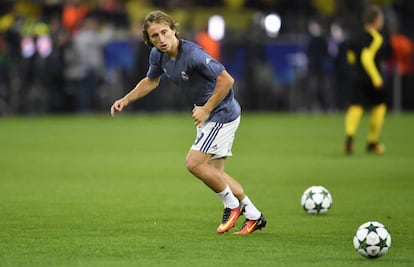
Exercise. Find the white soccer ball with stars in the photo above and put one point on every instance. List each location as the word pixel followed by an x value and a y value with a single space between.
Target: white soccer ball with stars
pixel 316 200
pixel 372 240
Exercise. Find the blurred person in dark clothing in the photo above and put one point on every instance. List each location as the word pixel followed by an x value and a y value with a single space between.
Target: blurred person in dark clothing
pixel 85 64
pixel 365 53
pixel 340 67
pixel 317 54
pixel 55 67
pixel 5 86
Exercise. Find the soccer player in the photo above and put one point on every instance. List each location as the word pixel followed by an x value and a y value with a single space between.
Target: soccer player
pixel 215 111
pixel 365 53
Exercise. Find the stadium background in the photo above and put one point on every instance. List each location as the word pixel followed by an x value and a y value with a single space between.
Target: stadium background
pixel 91 190
pixel 298 69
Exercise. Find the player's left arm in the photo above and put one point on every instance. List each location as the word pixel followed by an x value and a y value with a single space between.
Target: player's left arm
pixel 224 82
pixel 368 55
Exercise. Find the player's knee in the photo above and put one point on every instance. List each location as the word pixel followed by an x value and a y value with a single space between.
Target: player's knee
pixel 192 166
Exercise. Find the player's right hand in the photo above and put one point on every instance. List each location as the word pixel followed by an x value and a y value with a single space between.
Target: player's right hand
pixel 118 106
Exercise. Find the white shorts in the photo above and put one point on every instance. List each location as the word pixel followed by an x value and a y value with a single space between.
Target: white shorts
pixel 216 138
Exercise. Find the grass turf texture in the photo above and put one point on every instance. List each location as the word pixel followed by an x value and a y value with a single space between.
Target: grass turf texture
pixel 96 191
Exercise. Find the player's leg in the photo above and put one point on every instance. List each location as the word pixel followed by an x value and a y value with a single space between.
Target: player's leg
pixel 206 161
pixel 251 211
pixel 254 218
pixel 352 118
pixel 213 140
pixel 376 123
pixel 377 98
pixel 197 164
pixel 234 185
pixel 358 98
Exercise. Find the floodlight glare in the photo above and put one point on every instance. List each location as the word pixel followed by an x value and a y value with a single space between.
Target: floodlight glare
pixel 272 24
pixel 216 27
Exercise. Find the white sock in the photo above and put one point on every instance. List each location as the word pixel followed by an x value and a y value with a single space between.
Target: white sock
pixel 229 200
pixel 251 212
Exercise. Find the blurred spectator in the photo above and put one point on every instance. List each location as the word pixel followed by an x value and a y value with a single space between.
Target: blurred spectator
pixel 319 95
pixel 403 52
pixel 6 21
pixel 154 101
pixel 209 44
pixel 111 6
pixel 30 80
pixel 59 100
pixel 85 66
pixel 340 74
pixel 257 93
pixel 5 86
pixel 74 11
pixel 403 58
pixel 35 46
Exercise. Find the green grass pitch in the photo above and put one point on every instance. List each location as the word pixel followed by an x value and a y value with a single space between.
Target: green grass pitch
pixel 96 191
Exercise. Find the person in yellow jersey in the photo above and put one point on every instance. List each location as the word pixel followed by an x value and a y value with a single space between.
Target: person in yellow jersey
pixel 365 53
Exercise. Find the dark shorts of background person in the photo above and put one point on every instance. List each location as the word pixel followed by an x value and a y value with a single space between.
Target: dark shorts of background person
pixel 366 95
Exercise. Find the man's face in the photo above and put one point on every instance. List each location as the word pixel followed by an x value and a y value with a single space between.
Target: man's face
pixel 162 37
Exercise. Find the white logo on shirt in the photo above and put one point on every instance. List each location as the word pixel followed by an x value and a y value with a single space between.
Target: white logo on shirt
pixel 184 76
pixel 165 71
pixel 208 60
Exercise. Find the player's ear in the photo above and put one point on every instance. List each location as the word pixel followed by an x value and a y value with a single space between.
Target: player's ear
pixel 147 39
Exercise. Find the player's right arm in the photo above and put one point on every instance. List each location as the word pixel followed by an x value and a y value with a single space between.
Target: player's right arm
pixel 144 87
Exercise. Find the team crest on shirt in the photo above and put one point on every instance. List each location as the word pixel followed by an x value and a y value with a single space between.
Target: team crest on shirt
pixel 208 60
pixel 184 76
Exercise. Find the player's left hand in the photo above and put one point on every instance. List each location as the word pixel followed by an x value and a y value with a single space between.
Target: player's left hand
pixel 200 115
pixel 378 86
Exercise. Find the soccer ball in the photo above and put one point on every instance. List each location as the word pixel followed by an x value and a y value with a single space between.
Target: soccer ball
pixel 372 240
pixel 316 200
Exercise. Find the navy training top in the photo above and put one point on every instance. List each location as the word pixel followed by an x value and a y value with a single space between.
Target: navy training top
pixel 195 72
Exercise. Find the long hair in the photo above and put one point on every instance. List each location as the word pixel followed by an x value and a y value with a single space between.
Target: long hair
pixel 161 18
